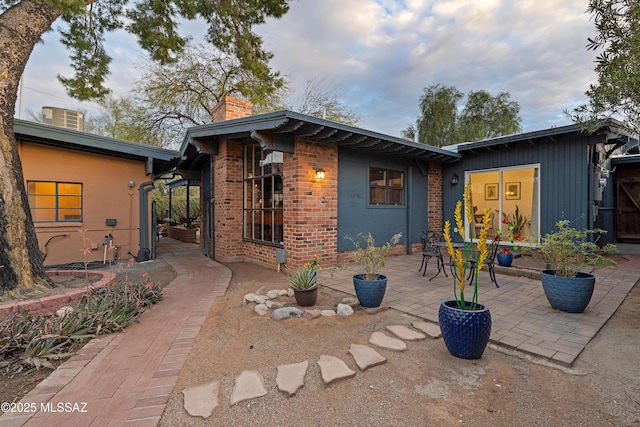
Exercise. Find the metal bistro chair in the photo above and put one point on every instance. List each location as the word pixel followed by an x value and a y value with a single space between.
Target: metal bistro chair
pixel 490 261
pixel 430 250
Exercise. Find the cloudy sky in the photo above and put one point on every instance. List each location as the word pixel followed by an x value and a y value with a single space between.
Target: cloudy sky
pixel 381 54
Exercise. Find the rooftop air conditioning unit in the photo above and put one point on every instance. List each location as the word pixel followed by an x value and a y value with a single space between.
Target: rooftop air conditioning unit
pixel 63 118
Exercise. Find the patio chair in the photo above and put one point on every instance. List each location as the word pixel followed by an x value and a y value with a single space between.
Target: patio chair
pixel 430 250
pixel 490 261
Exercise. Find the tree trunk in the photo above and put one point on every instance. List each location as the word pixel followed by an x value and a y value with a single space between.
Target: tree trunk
pixel 21 261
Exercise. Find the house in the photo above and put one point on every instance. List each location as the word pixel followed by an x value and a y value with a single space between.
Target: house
pixel 77 181
pixel 552 174
pixel 284 187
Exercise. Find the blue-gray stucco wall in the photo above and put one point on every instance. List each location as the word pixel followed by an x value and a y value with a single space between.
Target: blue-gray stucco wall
pixel 565 176
pixel 356 215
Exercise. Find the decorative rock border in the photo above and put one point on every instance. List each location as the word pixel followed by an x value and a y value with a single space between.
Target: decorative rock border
pixel 52 303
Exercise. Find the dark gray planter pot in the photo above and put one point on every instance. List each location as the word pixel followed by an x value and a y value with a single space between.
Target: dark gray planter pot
pixel 568 294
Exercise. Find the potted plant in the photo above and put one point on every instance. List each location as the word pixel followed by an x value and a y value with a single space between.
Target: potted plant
pixel 505 256
pixel 371 286
pixel 516 222
pixel 304 282
pixel 565 252
pixel 466 324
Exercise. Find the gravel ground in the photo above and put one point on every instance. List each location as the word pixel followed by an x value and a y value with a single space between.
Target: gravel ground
pixel 423 385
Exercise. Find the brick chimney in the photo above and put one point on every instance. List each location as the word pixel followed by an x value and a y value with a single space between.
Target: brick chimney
pixel 231 108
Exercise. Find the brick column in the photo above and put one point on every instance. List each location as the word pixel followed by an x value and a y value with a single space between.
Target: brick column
pixel 311 204
pixel 228 201
pixel 434 194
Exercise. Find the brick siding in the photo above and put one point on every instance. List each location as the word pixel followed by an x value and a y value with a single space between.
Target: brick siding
pixel 434 194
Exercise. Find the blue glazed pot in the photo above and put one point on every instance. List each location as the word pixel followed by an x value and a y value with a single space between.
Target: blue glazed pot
pixel 505 260
pixel 465 332
pixel 568 294
pixel 370 292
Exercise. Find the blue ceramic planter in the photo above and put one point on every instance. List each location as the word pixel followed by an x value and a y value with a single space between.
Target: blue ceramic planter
pixel 465 332
pixel 568 294
pixel 370 292
pixel 505 260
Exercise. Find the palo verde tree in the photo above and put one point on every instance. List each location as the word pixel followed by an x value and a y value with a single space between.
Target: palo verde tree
pixel 617 91
pixel 154 22
pixel 483 116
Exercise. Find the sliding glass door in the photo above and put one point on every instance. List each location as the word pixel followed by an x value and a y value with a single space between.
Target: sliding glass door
pixel 512 195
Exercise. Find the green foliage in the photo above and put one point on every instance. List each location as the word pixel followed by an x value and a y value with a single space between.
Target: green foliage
pixel 371 257
pixel 303 279
pixel 617 91
pixel 126 119
pixel 516 221
pixel 484 116
pixel 156 25
pixel 27 342
pixel 568 250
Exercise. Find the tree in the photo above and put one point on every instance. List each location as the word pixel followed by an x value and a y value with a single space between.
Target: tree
pixel 483 116
pixel 182 94
pixel 320 99
pixel 123 118
pixel 617 91
pixel 23 22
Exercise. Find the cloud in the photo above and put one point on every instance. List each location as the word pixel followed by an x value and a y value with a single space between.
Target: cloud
pixel 381 54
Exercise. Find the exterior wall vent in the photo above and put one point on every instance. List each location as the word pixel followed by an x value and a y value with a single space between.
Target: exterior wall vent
pixel 63 118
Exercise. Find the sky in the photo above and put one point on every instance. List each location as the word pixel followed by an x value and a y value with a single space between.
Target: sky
pixel 380 55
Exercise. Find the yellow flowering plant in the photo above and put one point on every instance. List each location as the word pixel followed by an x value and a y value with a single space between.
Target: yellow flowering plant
pixel 461 258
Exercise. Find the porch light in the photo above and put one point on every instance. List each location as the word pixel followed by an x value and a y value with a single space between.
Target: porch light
pixel 454 179
pixel 320 174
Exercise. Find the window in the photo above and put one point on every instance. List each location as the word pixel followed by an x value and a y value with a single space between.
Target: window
pixel 263 204
pixel 386 187
pixel 55 201
pixel 512 196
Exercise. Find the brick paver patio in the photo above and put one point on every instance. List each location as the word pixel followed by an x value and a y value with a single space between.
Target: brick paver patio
pixel 522 318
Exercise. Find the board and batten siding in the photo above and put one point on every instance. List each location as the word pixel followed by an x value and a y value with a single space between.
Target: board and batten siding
pixel 563 176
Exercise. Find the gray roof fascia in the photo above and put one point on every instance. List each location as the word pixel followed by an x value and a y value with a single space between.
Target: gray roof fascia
pixel 273 121
pixel 518 137
pixel 58 136
pixel 242 126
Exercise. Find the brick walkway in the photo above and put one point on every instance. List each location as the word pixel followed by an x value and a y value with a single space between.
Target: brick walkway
pixel 522 319
pixel 126 378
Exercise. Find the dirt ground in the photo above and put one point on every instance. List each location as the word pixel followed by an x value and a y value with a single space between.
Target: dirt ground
pixel 423 385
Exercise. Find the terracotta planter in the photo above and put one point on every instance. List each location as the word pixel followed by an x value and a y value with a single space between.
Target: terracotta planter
pixel 465 332
pixel 307 297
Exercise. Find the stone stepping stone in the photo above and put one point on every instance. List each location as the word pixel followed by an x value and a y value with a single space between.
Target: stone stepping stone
pixel 334 369
pixel 405 333
pixel 383 340
pixel 249 385
pixel 366 357
pixel 431 329
pixel 291 377
pixel 201 400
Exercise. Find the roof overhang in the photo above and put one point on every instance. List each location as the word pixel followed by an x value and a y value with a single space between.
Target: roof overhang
pixel 158 160
pixel 285 125
pixel 611 131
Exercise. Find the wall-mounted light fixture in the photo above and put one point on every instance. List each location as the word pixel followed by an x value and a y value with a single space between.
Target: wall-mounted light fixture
pixel 320 174
pixel 131 184
pixel 454 179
